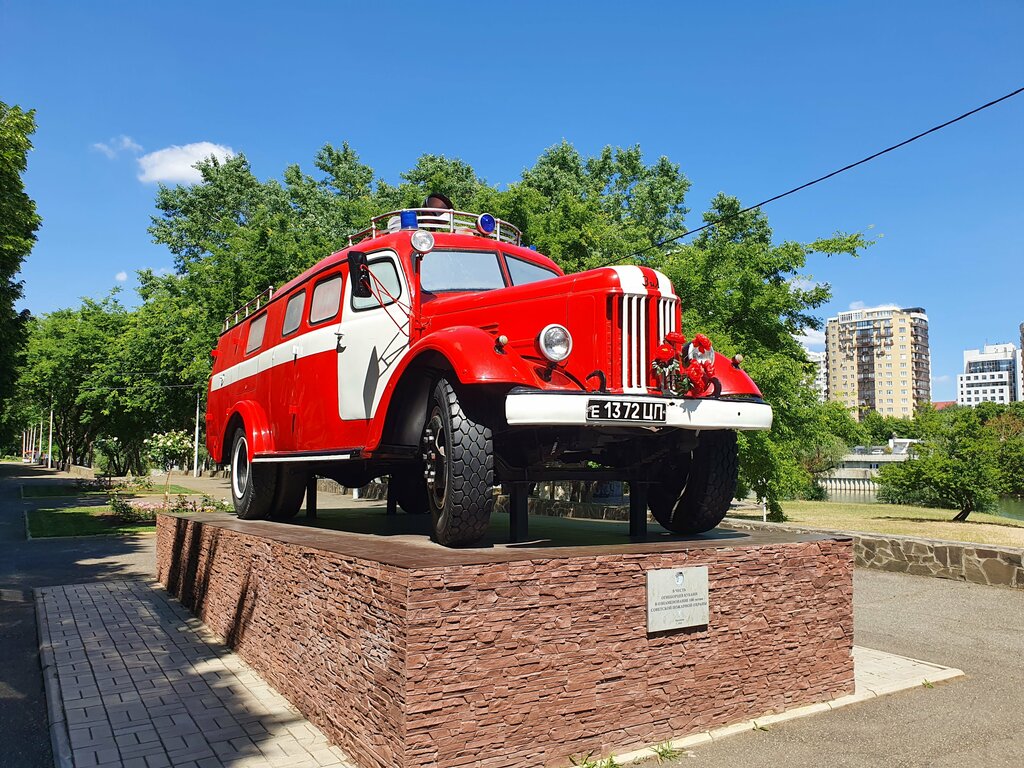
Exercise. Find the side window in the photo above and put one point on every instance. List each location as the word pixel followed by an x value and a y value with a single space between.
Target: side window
pixel 523 272
pixel 293 313
pixel 326 300
pixel 255 338
pixel 384 284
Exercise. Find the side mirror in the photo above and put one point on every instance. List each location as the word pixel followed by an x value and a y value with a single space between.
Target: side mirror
pixel 359 274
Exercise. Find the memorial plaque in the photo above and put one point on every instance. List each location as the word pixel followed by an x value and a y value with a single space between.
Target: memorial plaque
pixel 677 598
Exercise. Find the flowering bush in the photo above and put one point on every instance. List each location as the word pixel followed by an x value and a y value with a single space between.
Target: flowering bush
pixel 169 448
pixel 134 511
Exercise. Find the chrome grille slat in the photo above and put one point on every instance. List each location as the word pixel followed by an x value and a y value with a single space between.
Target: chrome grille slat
pixel 633 323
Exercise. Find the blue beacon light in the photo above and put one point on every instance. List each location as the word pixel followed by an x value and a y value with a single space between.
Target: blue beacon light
pixel 485 223
pixel 408 219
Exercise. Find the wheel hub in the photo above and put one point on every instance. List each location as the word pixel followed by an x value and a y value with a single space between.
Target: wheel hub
pixel 240 469
pixel 434 447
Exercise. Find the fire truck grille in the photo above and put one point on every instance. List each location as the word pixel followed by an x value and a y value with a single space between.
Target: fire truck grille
pixel 639 323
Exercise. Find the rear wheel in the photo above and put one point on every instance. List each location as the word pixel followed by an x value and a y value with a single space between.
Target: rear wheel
pixel 252 485
pixel 459 463
pixel 291 488
pixel 697 489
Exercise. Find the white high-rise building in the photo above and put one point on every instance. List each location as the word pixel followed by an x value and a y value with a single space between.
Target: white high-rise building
pixel 991 375
pixel 820 373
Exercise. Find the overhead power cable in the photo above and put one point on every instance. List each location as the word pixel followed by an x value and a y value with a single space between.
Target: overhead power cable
pixel 820 179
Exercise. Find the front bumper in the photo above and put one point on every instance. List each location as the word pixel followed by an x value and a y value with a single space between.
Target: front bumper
pixel 543 409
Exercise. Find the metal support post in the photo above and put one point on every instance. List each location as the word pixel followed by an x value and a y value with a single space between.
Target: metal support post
pixel 311 498
pixel 637 509
pixel 392 497
pixel 518 509
pixel 195 444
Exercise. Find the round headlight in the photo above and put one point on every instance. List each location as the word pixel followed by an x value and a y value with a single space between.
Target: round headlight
pixel 422 241
pixel 555 342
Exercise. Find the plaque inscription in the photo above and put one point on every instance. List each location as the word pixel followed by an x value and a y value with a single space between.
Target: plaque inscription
pixel 677 598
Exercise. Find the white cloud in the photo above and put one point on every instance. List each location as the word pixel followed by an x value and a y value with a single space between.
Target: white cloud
pixel 121 276
pixel 116 146
pixel 941 379
pixel 886 305
pixel 176 164
pixel 812 340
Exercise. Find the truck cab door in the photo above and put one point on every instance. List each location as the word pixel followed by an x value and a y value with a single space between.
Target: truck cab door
pixel 373 337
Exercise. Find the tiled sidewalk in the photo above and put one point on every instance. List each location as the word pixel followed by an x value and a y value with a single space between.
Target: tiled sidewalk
pixel 134 680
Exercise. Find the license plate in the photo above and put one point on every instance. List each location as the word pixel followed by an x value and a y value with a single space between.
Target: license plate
pixel 625 410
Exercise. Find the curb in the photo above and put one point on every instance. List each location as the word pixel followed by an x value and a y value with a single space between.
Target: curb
pixel 28 531
pixel 60 743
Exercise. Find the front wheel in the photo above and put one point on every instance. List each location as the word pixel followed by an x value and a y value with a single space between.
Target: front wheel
pixel 459 461
pixel 696 490
pixel 252 485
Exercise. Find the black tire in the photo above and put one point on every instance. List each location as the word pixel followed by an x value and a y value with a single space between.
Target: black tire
pixel 291 489
pixel 698 489
pixel 459 459
pixel 409 487
pixel 252 485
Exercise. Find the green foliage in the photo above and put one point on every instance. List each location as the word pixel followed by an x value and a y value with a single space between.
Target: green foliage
pixel 879 429
pixel 665 751
pixel 65 357
pixel 955 466
pixel 748 294
pixel 18 225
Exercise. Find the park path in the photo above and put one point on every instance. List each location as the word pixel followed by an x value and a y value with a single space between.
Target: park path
pixel 24 566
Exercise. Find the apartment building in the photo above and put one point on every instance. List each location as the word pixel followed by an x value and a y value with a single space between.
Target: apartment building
pixel 820 373
pixel 878 359
pixel 991 375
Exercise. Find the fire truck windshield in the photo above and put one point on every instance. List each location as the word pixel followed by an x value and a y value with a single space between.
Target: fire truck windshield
pixel 443 271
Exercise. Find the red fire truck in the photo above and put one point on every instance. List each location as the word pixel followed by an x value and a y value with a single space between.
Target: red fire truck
pixel 437 350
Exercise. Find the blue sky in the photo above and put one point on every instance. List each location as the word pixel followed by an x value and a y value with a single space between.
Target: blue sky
pixel 749 98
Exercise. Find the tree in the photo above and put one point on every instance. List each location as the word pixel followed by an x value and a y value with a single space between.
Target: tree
pixel 955 467
pixel 18 225
pixel 65 358
pixel 739 287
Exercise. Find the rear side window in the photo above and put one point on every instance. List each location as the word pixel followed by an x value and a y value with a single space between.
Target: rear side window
pixel 326 300
pixel 255 338
pixel 293 313
pixel 523 272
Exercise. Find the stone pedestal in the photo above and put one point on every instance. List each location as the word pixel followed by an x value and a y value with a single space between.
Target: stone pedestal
pixel 407 654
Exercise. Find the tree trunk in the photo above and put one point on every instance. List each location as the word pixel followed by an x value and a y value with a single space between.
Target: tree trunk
pixel 961 516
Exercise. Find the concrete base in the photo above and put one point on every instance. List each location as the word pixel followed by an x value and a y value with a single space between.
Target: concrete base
pixel 409 654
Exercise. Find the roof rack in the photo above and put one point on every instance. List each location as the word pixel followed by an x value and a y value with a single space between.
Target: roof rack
pixel 437 220
pixel 248 308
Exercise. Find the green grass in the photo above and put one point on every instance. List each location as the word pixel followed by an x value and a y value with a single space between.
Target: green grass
pixel 53 490
pixel 901 520
pixel 80 521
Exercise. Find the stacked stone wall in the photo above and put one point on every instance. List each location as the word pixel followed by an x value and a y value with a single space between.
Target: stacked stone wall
pixel 516 662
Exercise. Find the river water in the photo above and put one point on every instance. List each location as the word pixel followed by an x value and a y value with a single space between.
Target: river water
pixel 1006 507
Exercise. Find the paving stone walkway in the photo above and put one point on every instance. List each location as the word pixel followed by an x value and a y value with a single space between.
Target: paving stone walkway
pixel 135 681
